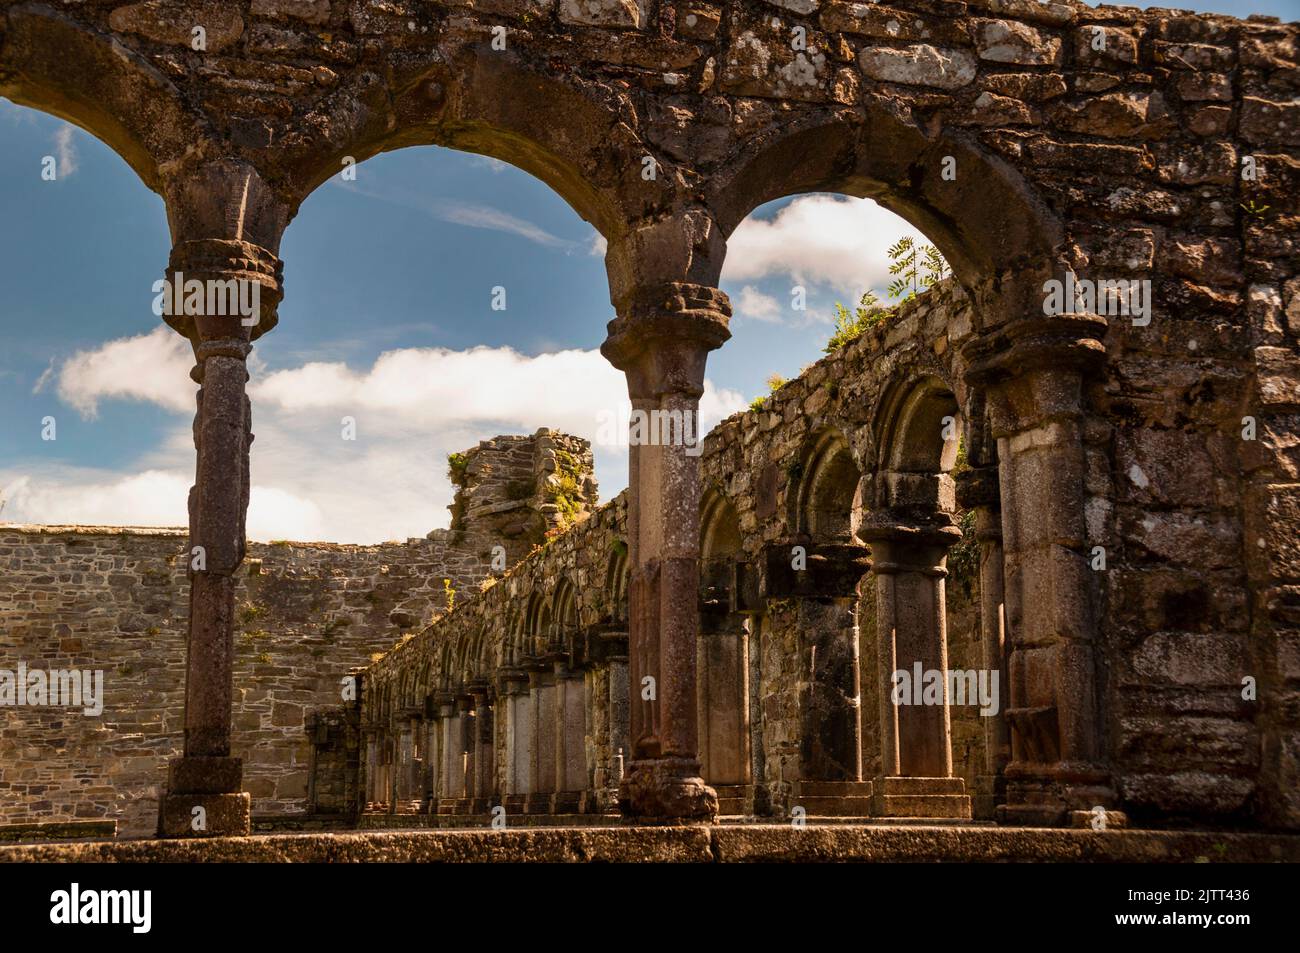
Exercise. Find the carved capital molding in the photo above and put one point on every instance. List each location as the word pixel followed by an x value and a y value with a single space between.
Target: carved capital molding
pixel 663 337
pixel 902 542
pixel 214 260
pixel 1041 342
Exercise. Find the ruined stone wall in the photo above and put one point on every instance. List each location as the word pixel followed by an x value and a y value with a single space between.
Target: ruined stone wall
pixel 104 598
pixel 1165 480
pixel 116 599
pixel 514 491
pixel 751 460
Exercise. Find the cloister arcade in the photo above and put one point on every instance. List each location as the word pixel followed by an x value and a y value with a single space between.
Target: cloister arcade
pixel 1019 147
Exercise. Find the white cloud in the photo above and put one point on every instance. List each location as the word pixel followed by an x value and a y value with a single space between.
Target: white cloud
pixel 492 164
pixel 74 495
pixel 757 306
pixel 412 407
pixel 66 150
pixel 475 215
pixel 818 239
pixel 153 367
pixel 469 214
pixel 599 245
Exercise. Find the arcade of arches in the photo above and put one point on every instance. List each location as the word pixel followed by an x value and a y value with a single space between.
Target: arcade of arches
pixel 715 639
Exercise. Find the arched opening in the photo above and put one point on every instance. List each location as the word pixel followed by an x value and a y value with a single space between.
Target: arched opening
pixel 830 492
pixel 828 508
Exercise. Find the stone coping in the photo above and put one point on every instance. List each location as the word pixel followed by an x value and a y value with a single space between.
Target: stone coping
pixel 56 529
pixel 62 529
pixel 700 844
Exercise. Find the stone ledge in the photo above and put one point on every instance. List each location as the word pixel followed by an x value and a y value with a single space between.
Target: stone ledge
pixel 749 843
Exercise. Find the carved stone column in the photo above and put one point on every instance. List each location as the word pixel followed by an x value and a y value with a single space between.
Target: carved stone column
pixel 512 698
pixel 977 490
pixel 484 751
pixel 1034 371
pixel 450 750
pixel 908 560
pixel 203 796
pixel 372 767
pixel 608 650
pixel 570 738
pixel 464 733
pixel 660 340
pixel 541 693
pixel 432 757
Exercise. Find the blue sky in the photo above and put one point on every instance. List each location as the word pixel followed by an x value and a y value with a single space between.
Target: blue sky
pixel 386 318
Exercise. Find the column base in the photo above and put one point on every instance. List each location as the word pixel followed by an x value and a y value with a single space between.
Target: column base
pixel 666 791
pixel 834 798
pixel 223 815
pixel 211 783
pixel 1049 795
pixel 944 798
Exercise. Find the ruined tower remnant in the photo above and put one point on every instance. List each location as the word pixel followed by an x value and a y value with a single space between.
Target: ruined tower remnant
pixel 513 491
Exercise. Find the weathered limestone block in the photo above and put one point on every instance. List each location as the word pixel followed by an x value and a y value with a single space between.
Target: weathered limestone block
pixel 918 65
pixel 1006 41
pixel 990 109
pixel 1035 11
pixel 611 13
pixel 698 21
pixel 309 11
pixel 1199 87
pixel 174 23
pixel 1117 115
pixel 1291 293
pixel 757 66
pixel 1099 46
pixel 801 7
pixel 1034 87
pixel 1279 375
pixel 870 19
pixel 1263 121
pixel 1212 260
pixel 1195 56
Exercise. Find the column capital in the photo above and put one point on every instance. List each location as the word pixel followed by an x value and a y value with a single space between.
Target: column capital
pixel 924 540
pixel 1035 343
pixel 218 313
pixel 663 336
pixel 832 571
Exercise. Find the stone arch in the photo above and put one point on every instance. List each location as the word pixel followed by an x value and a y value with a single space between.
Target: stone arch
pixel 988 222
pixel 828 499
pixel 564 604
pixel 491 103
pixel 910 533
pixel 53 64
pixel 921 429
pixel 616 579
pixel 531 624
